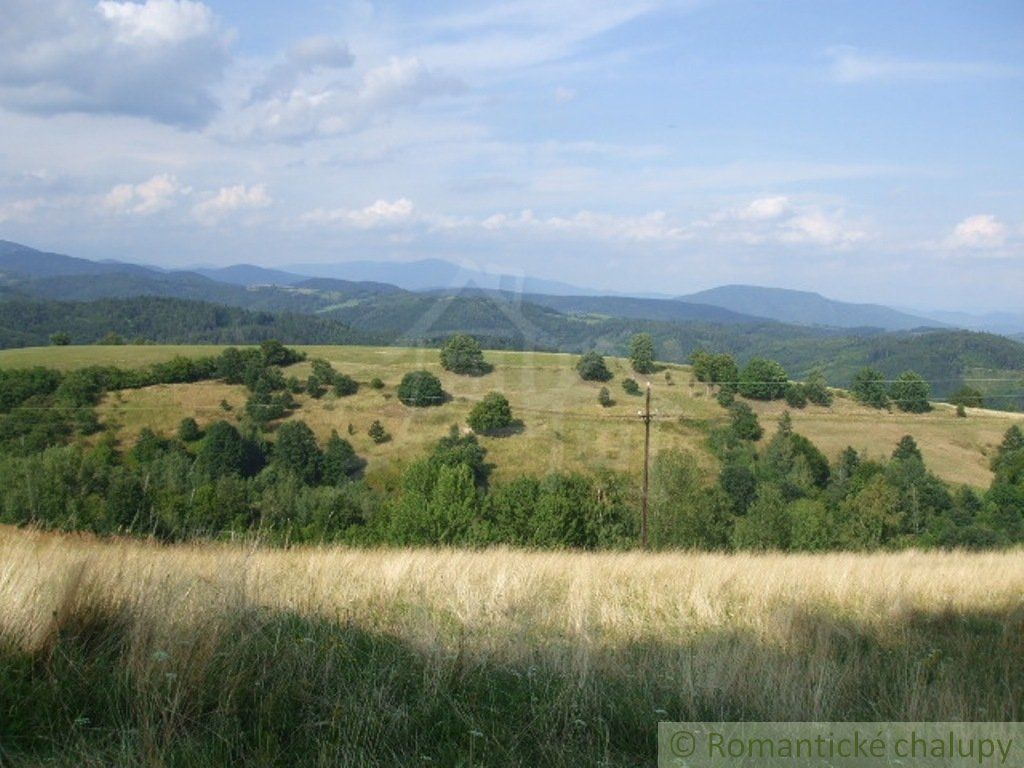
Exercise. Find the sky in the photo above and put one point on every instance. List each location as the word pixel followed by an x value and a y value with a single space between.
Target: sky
pixel 870 150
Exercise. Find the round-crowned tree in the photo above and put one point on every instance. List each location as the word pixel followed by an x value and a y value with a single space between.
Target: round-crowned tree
pixel 420 389
pixel 345 385
pixel 910 393
pixel 340 462
pixel 492 414
pixel 462 354
pixel 763 379
pixel 591 367
pixel 816 388
pixel 796 395
pixel 630 387
pixel 869 388
pixel 297 451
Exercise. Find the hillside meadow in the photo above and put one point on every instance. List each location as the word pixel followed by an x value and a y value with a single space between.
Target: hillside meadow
pixel 563 425
pixel 130 653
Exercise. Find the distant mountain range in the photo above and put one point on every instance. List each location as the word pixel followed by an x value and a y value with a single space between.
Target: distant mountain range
pixel 301 288
pixel 43 293
pixel 805 308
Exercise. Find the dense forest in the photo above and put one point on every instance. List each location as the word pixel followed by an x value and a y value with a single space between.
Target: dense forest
pixel 147 319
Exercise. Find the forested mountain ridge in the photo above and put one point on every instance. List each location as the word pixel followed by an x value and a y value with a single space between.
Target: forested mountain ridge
pixel 807 308
pixel 137 302
pixel 27 322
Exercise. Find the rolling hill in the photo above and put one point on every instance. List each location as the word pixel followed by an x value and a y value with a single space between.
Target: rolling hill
pixel 806 308
pixel 427 274
pixel 564 426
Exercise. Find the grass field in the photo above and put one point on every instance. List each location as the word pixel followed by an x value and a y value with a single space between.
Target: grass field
pixel 564 427
pixel 129 653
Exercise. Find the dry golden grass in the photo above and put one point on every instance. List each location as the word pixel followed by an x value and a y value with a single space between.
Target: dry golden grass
pixel 958 450
pixel 792 637
pixel 122 355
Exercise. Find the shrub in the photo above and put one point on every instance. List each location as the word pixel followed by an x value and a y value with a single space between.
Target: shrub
pixel 60 339
pixel 726 396
pixel 604 397
pixel 743 422
pixel 631 387
pixel 462 354
pixel 641 353
pixel 796 395
pixel 906 448
pixel 968 397
pixel 961 412
pixel 225 452
pixel 714 369
pixel 492 414
pixel 377 433
pixel 340 462
pixel 276 353
pixel 910 393
pixel 763 379
pixel 296 450
pixel 816 389
pixel 264 406
pixel 767 524
pixel 315 387
pixel 591 367
pixel 344 385
pixel 188 430
pixel 868 388
pixel 420 389
pixel 376 383
pixel 323 371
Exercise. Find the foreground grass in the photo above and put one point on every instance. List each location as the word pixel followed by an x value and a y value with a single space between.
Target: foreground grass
pixel 130 653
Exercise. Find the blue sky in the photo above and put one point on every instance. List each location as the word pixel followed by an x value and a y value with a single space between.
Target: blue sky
pixel 871 151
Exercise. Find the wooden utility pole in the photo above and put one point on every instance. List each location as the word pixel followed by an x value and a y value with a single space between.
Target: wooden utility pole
pixel 645 415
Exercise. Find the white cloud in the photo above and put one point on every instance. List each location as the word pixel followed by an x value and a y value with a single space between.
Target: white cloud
pixel 980 231
pixel 310 56
pixel 146 197
pixel 157 59
pixel 404 80
pixel 644 228
pixel 778 219
pixel 525 33
pixel 382 213
pixel 819 228
pixel 849 65
pixel 312 109
pixel 157 21
pixel 765 208
pixel 227 200
pixel 20 210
